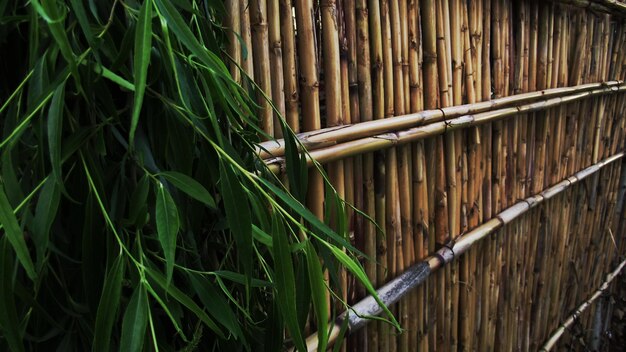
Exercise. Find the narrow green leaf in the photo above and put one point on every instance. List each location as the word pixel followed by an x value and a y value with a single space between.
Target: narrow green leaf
pixel 9 321
pixel 55 18
pixel 45 213
pixel 342 334
pixel 113 77
pixel 303 288
pixel 143 44
pixel 261 236
pixel 79 11
pixel 285 281
pixel 107 308
pixel 274 329
pixel 240 279
pixel 137 206
pixel 238 216
pixel 318 293
pixel 183 299
pixel 55 129
pixel 297 170
pixel 309 216
pixel 135 321
pixel 215 304
pixel 190 186
pixel 167 223
pixel 216 67
pixel 14 234
pixel 355 268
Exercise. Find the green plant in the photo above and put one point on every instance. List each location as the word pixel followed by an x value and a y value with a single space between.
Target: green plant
pixel 135 213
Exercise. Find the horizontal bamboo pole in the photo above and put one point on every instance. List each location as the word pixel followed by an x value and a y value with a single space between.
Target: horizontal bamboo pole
pixel 556 335
pixel 609 6
pixel 391 139
pixel 337 134
pixel 417 274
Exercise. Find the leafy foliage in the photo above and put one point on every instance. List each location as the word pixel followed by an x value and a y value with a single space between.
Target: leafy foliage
pixel 134 211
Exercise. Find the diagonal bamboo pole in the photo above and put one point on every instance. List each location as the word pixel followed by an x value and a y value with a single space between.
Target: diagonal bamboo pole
pixel 416 275
pixel 558 333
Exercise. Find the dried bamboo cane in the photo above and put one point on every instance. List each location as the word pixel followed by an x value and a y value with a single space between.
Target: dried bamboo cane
pixel 388 140
pixel 377 160
pixel 405 244
pixel 414 103
pixel 346 9
pixel 276 64
pixel 365 110
pixel 556 335
pixel 310 95
pixel 260 45
pixel 233 23
pixel 330 136
pixel 289 65
pixel 246 36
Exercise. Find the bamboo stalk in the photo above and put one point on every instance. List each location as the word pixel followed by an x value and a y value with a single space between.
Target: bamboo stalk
pixel 377 160
pixel 276 64
pixel 388 140
pixel 556 335
pixel 246 36
pixel 289 65
pixel 260 45
pixel 233 23
pixel 329 136
pixel 365 110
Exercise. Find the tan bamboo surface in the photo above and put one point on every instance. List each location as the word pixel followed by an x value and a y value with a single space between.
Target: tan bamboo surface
pixel 446 122
pixel 416 275
pixel 391 139
pixel 334 135
pixel 562 329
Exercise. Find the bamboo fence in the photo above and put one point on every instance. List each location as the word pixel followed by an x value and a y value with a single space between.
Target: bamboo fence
pixel 488 131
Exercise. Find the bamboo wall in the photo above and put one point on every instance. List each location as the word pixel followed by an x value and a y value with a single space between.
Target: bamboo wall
pixel 450 164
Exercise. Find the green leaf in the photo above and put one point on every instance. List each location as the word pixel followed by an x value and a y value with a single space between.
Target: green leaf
pixel 183 299
pixel 318 293
pixel 238 215
pixel 113 77
pixel 310 217
pixel 297 170
pixel 190 186
pixel 285 282
pixel 79 11
pixel 355 268
pixel 9 321
pixel 14 234
pixel 135 321
pixel 167 223
pixel 240 279
pixel 143 45
pixel 107 308
pixel 215 304
pixel 138 210
pixel 45 213
pixel 55 129
pixel 49 10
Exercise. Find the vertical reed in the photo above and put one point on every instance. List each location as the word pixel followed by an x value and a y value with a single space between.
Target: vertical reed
pixel 290 72
pixel 262 67
pixel 246 38
pixel 276 64
pixel 233 23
